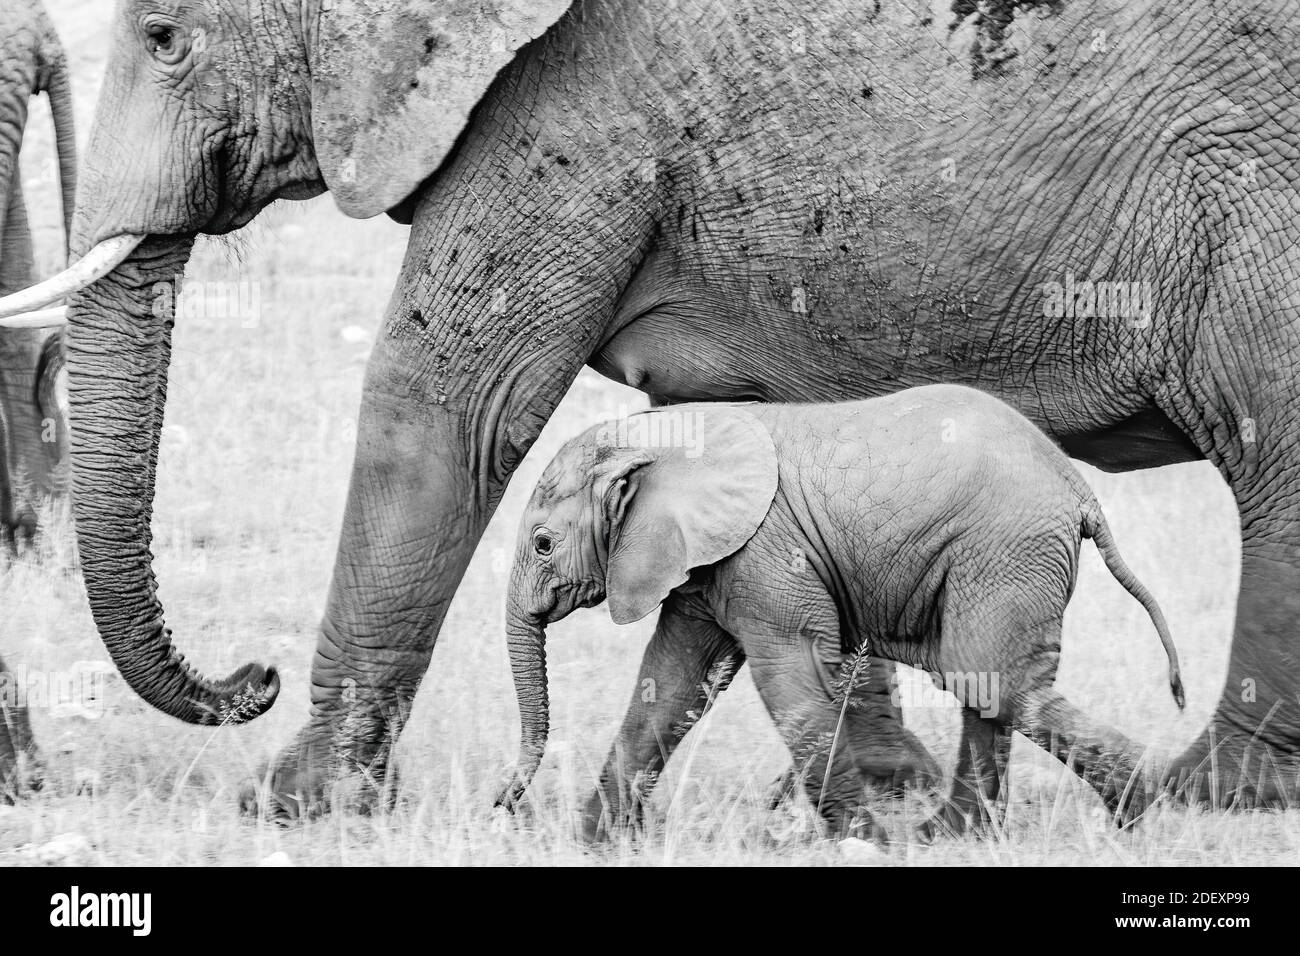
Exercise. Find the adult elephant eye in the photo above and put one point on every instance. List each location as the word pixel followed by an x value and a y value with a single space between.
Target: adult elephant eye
pixel 165 43
pixel 543 544
pixel 161 40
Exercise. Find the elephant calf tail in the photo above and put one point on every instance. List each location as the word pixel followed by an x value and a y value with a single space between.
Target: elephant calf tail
pixel 1096 528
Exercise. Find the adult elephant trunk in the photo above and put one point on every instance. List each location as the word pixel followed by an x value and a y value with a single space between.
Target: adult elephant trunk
pixel 50 362
pixel 65 141
pixel 526 639
pixel 119 346
pixel 15 242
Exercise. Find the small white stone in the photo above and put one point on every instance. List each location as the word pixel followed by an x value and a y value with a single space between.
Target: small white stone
pixel 503 821
pixel 75 711
pixel 66 849
pixel 354 335
pixel 792 821
pixel 278 858
pixel 88 782
pixel 857 852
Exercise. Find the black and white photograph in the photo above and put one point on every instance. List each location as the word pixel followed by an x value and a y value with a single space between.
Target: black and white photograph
pixel 650 433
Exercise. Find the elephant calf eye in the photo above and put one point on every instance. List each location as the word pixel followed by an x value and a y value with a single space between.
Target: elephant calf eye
pixel 543 544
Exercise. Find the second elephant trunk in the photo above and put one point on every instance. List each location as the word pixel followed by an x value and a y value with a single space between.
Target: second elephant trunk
pixel 526 638
pixel 65 139
pixel 119 347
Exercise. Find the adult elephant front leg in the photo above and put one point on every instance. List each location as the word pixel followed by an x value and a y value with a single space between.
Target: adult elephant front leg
pixel 426 479
pixel 428 473
pixel 492 322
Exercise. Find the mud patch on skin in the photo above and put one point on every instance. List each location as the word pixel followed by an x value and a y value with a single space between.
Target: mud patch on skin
pixel 991 54
pixel 423 42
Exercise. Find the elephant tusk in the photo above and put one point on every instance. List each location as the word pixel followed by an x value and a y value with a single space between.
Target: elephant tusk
pixel 45 319
pixel 96 264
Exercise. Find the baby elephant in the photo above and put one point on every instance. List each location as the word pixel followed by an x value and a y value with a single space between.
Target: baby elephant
pixel 935 526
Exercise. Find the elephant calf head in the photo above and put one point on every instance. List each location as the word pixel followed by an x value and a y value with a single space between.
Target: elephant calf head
pixel 625 511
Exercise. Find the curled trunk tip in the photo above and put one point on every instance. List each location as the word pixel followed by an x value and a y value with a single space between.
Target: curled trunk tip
pixel 246 694
pixel 118 353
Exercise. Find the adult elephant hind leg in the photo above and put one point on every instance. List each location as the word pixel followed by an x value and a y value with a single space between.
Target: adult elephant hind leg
pixel 1249 753
pixel 1235 397
pixel 689 661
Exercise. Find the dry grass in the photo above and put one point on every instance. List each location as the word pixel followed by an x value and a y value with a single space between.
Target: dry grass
pixel 252 480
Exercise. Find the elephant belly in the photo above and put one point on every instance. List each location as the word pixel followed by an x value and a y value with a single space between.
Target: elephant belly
pixel 1147 439
pixel 701 353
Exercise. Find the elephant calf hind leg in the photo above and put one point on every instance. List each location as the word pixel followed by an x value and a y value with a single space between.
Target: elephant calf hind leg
pixel 1102 757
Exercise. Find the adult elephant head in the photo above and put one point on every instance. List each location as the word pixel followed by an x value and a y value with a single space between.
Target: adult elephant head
pixel 209 113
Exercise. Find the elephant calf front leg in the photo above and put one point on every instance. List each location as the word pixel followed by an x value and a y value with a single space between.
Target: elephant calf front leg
pixel 818 739
pixel 975 801
pixel 689 661
pixel 889 757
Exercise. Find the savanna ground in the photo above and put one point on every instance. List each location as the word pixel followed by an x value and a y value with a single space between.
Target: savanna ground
pixel 252 478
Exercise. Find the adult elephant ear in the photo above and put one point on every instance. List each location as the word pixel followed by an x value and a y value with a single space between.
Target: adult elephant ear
pixel 698 497
pixel 394 82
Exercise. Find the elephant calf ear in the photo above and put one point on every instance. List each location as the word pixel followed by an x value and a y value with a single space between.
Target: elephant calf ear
pixel 691 506
pixel 394 81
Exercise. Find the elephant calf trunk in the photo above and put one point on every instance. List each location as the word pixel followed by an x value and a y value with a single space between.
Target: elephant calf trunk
pixel 527 645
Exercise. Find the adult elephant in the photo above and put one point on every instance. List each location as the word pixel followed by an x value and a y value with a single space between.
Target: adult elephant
pixel 33 438
pixel 33 434
pixel 718 200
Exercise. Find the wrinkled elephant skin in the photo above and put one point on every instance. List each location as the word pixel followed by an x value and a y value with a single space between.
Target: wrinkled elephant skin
pixel 1083 207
